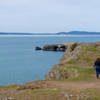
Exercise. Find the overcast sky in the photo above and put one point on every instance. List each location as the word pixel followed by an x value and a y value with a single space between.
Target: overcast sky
pixel 49 15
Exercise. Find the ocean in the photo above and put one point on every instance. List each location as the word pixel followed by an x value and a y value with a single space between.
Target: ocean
pixel 20 63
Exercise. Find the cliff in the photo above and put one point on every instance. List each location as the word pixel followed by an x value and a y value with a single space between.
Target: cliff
pixel 76 62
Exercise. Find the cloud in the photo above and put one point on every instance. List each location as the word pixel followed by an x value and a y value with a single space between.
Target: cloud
pixel 49 15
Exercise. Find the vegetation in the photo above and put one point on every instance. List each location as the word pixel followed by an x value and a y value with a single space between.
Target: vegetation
pixel 73 46
pixel 46 91
pixel 78 73
pixel 10 86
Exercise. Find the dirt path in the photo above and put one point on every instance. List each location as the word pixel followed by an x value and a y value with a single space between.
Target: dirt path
pixel 94 84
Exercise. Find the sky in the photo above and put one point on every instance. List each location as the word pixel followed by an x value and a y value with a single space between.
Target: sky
pixel 49 16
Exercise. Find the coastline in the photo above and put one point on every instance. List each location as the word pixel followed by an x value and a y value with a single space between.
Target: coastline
pixel 67 52
pixel 32 35
pixel 49 35
pixel 72 76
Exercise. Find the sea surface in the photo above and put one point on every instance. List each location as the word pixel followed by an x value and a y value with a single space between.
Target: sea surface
pixel 20 63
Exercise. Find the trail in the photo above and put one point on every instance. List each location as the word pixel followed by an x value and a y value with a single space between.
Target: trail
pixel 75 85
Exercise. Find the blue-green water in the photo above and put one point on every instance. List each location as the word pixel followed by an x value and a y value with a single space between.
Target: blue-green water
pixel 20 63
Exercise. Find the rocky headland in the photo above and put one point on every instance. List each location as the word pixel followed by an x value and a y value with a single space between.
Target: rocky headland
pixel 77 57
pixel 54 47
pixel 73 78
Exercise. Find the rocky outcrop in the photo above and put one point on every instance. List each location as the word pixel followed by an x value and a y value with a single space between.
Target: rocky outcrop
pixel 57 47
pixel 72 52
pixel 38 48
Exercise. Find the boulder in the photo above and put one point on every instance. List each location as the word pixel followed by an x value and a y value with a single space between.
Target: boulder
pixel 55 48
pixel 61 48
pixel 38 48
pixel 25 87
pixel 50 48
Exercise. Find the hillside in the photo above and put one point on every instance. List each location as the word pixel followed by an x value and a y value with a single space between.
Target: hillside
pixel 13 33
pixel 78 33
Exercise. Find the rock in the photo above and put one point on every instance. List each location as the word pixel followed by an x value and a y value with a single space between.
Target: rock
pixel 38 48
pixel 10 98
pixel 61 48
pixel 50 48
pixel 23 87
pixel 73 50
pixel 58 47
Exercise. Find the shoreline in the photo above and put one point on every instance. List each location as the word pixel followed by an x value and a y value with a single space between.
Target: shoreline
pixel 49 35
pixel 32 35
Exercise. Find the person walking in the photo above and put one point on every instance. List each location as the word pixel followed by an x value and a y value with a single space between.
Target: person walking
pixel 97 67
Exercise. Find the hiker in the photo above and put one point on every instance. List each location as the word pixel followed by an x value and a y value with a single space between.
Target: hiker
pixel 97 67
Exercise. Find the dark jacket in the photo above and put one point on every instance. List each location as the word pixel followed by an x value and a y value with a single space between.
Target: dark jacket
pixel 97 63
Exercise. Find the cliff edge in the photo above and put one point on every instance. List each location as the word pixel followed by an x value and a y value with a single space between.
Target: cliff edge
pixel 76 63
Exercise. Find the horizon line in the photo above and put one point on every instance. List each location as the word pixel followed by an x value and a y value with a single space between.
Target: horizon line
pixel 52 32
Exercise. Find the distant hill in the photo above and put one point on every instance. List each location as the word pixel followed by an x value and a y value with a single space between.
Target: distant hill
pixel 5 33
pixel 79 33
pixel 59 33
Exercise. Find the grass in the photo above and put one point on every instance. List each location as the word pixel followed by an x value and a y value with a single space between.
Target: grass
pixel 92 49
pixel 87 55
pixel 74 46
pixel 92 94
pixel 95 94
pixel 46 91
pixel 77 73
pixel 84 73
pixel 10 86
pixel 96 98
pixel 72 61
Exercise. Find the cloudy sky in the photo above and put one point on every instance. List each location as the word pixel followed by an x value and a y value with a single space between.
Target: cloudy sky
pixel 49 15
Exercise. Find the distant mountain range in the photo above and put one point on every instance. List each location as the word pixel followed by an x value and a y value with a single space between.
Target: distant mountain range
pixel 79 33
pixel 59 33
pixel 5 33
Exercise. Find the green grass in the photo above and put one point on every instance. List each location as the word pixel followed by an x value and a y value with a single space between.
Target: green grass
pixel 92 49
pixel 85 55
pixel 89 55
pixel 73 46
pixel 94 91
pixel 77 73
pixel 95 94
pixel 96 98
pixel 88 59
pixel 72 61
pixel 83 73
pixel 46 91
pixel 10 86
